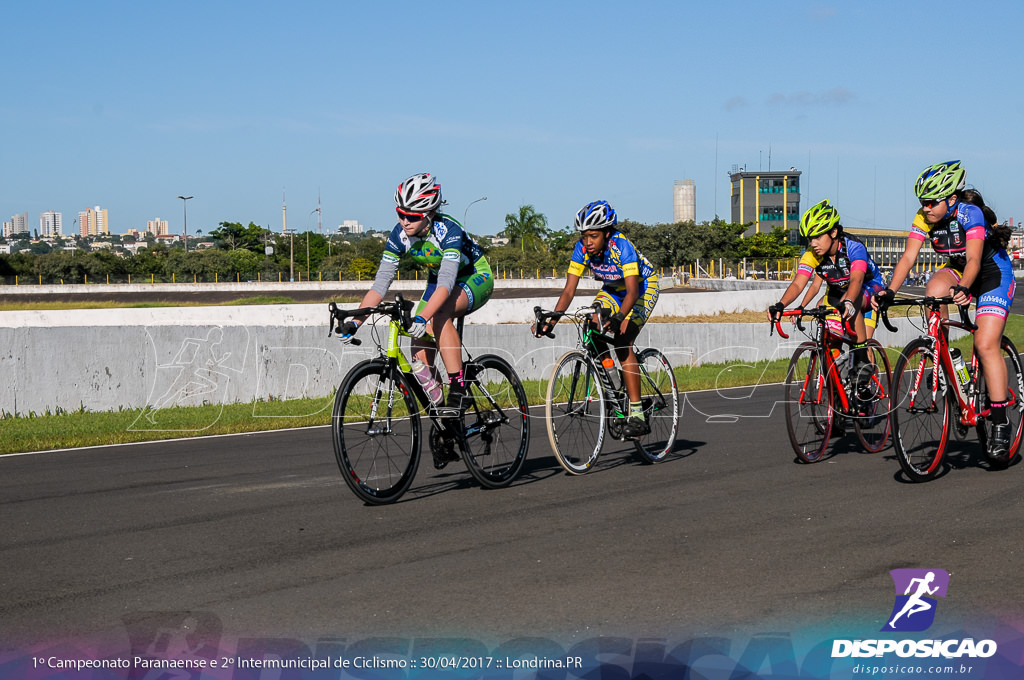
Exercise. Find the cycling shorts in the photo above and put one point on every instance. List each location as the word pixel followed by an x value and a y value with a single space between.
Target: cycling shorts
pixel 994 286
pixel 642 308
pixel 477 283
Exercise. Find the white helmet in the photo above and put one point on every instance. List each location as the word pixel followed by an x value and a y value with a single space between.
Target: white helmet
pixel 596 215
pixel 419 194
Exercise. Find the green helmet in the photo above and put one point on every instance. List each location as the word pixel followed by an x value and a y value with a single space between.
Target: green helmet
pixel 819 219
pixel 940 181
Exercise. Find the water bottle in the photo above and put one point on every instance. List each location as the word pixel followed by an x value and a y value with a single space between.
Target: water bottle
pixel 962 374
pixel 425 378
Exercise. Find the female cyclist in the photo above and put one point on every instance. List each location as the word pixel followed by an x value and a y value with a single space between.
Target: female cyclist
pixel 843 263
pixel 630 292
pixel 459 282
pixel 965 230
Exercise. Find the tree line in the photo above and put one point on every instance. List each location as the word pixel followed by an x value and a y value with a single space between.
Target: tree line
pixel 252 252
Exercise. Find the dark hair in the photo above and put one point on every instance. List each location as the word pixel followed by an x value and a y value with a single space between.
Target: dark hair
pixel 1000 232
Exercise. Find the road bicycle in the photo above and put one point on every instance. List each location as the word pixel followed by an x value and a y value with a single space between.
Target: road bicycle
pixel 822 393
pixel 376 423
pixel 586 396
pixel 934 400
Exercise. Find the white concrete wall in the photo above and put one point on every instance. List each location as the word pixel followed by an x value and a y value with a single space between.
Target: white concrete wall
pixel 157 357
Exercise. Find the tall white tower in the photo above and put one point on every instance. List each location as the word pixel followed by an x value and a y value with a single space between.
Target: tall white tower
pixel 684 201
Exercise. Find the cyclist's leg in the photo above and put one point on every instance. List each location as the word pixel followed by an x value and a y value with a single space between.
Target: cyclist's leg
pixel 998 285
pixel 472 291
pixel 944 278
pixel 637 317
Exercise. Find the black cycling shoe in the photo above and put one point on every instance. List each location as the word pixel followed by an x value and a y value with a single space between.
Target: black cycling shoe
pixel 441 449
pixel 635 426
pixel 454 405
pixel 999 445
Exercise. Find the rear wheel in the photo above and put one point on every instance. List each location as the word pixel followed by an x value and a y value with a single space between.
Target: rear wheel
pixel 375 427
pixel 497 422
pixel 575 412
pixel 1014 409
pixel 872 418
pixel 659 395
pixel 809 400
pixel 920 411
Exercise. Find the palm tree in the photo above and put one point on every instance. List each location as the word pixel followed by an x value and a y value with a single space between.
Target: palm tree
pixel 528 225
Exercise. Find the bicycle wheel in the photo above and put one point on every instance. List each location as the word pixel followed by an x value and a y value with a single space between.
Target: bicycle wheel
pixel 376 431
pixel 1014 410
pixel 575 413
pixel 920 415
pixel 872 421
pixel 809 400
pixel 497 422
pixel 660 397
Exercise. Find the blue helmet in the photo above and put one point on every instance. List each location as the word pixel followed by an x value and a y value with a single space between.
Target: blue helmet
pixel 596 215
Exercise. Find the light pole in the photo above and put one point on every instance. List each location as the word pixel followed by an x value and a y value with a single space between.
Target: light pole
pixel 184 210
pixel 482 198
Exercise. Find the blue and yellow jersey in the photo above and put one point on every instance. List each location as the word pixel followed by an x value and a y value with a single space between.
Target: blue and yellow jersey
pixel 619 259
pixel 835 271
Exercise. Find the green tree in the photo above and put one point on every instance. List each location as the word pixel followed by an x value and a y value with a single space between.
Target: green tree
pixel 529 228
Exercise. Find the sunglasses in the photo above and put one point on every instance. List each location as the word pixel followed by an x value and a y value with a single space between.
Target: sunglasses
pixel 930 203
pixel 409 216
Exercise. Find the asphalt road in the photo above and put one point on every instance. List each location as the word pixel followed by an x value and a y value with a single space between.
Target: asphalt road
pixel 259 535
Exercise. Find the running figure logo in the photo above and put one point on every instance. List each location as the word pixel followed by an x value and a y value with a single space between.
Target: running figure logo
pixel 916 590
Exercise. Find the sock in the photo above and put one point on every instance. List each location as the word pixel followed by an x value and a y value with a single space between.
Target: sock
pixel 456 381
pixel 998 412
pixel 636 409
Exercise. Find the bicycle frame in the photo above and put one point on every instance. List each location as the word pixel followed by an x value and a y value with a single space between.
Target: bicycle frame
pixel 826 339
pixel 938 333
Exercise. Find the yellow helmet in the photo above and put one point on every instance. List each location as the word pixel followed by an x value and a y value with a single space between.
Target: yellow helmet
pixel 819 219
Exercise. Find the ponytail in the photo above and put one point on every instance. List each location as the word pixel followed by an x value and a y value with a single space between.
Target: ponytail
pixel 1000 232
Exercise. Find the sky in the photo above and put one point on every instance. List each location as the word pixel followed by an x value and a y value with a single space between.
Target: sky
pixel 245 105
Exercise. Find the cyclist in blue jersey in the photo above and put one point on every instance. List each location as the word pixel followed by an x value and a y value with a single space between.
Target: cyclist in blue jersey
pixel 960 226
pixel 630 292
pixel 852 277
pixel 459 282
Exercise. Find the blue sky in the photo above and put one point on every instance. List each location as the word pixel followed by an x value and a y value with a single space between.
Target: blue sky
pixel 126 105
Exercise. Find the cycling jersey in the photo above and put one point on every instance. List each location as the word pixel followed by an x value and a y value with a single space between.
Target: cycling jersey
pixel 619 259
pixel 445 249
pixel 994 285
pixel 835 270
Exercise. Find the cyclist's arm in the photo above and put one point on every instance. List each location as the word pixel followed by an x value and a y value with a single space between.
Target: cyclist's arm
pixel 568 293
pixel 853 290
pixel 385 275
pixel 446 276
pixel 906 263
pixel 812 291
pixel 975 248
pixel 797 285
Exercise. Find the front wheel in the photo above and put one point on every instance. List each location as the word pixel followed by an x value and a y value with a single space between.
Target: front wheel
pixel 809 399
pixel 497 421
pixel 1014 409
pixel 575 413
pixel 921 416
pixel 659 395
pixel 873 399
pixel 375 427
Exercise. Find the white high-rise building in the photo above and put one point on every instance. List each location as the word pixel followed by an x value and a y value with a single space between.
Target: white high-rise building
pixel 18 226
pixel 50 224
pixel 350 227
pixel 684 201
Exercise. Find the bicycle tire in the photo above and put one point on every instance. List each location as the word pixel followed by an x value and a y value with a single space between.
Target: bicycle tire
pixel 659 395
pixel 497 422
pixel 575 413
pixel 809 400
pixel 1015 409
pixel 377 456
pixel 873 429
pixel 921 422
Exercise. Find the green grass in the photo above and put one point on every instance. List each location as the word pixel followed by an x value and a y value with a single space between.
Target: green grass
pixel 38 432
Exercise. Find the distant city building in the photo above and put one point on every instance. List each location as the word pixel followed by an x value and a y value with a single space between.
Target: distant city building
pixel 17 227
pixel 50 224
pixel 684 201
pixel 767 199
pixel 350 227
pixel 157 227
pixel 93 222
